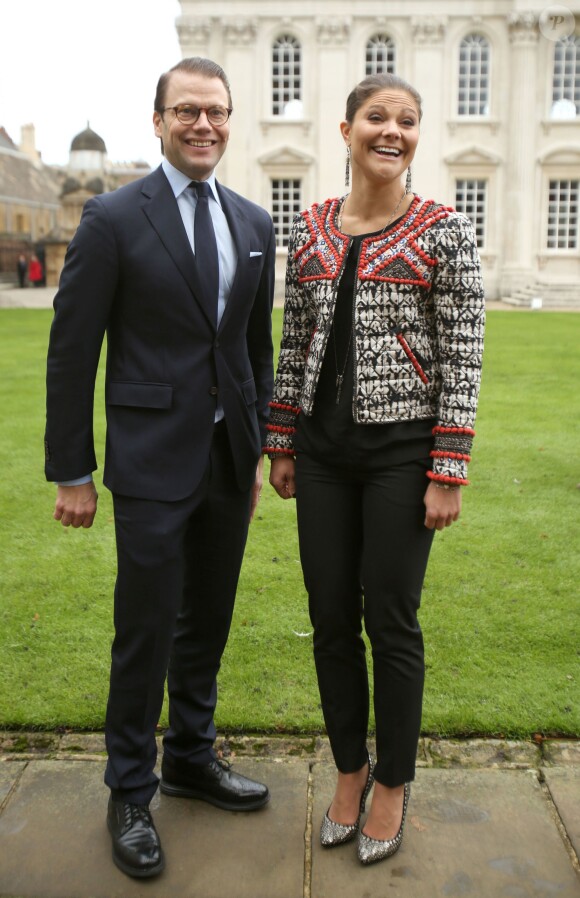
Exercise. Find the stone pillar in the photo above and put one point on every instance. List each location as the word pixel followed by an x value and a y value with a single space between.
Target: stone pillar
pixel 238 167
pixel 327 104
pixel 521 205
pixel 428 76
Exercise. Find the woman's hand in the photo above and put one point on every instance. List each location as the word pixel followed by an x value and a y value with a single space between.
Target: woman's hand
pixel 282 477
pixel 442 507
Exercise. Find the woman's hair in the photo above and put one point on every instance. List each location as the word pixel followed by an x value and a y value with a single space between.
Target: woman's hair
pixel 370 85
pixel 195 65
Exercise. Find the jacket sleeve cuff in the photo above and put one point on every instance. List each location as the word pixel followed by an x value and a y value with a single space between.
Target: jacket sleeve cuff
pixel 281 429
pixel 451 454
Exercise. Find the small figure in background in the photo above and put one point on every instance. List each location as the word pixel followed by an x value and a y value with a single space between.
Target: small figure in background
pixel 22 268
pixel 35 273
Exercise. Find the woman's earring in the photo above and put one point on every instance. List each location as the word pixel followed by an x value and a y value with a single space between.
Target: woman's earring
pixel 347 171
pixel 408 182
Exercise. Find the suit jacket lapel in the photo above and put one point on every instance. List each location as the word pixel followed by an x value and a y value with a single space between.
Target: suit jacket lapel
pixel 162 211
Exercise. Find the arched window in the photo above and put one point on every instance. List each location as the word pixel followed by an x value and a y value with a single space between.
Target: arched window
pixel 566 78
pixel 380 54
pixel 474 71
pixel 287 77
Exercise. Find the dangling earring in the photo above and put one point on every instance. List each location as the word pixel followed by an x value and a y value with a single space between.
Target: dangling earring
pixel 347 170
pixel 408 182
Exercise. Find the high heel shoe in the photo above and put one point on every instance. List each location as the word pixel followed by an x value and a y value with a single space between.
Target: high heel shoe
pixel 332 833
pixel 372 850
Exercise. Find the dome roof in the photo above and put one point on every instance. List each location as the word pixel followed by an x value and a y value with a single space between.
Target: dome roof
pixel 88 140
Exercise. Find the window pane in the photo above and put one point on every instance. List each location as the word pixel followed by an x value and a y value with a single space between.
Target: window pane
pixel 286 79
pixel 474 68
pixel 380 54
pixel 566 78
pixel 471 199
pixel 286 203
pixel 562 232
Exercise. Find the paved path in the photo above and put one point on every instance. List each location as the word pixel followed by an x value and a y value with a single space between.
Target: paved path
pixel 487 819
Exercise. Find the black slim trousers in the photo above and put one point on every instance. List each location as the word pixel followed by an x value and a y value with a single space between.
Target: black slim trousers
pixel 178 569
pixel 364 551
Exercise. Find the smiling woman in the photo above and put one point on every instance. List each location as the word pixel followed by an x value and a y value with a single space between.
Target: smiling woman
pixel 371 430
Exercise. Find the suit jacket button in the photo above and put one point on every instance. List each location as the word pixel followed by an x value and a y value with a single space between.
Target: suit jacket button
pixel 216 345
pixel 213 391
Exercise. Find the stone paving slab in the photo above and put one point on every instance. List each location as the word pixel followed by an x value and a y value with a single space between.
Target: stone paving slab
pixel 564 786
pixel 9 775
pixel 54 842
pixel 480 833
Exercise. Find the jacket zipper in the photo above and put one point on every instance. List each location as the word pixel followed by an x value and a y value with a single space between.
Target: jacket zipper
pixel 325 344
pixel 354 414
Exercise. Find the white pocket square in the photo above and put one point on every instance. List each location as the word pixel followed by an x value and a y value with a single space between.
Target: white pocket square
pixel 253 255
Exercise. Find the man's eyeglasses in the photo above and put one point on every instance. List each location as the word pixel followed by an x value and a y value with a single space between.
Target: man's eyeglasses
pixel 188 115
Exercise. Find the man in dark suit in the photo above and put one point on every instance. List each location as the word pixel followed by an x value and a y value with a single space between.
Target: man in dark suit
pixel 181 280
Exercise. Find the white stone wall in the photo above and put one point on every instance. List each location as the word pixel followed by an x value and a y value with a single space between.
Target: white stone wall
pixel 517 147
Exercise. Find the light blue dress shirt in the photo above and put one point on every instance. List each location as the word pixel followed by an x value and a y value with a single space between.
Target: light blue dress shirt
pixel 228 257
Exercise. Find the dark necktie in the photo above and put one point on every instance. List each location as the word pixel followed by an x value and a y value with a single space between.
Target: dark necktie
pixel 206 253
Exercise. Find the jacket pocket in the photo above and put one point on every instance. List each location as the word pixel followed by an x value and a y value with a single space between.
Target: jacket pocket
pixel 249 391
pixel 139 395
pixel 412 357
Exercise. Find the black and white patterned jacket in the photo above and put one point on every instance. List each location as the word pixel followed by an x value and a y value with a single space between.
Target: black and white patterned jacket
pixel 418 327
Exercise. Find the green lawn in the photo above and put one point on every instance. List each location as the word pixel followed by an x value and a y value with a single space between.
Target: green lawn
pixel 500 607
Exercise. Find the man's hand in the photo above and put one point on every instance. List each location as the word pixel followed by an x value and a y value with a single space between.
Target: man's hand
pixel 442 507
pixel 257 487
pixel 76 506
pixel 282 477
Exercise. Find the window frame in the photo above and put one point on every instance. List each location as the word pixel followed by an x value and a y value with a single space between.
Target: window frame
pixel 561 91
pixel 283 218
pixel 294 76
pixel 466 83
pixel 480 220
pixel 557 217
pixel 389 45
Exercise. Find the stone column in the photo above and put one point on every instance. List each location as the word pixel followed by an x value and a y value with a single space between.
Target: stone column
pixel 238 167
pixel 521 205
pixel 327 104
pixel 428 76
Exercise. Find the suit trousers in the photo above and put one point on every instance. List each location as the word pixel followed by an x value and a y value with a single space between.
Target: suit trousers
pixel 178 568
pixel 364 551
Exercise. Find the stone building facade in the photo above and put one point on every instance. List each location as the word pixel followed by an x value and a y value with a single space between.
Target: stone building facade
pixel 500 81
pixel 29 200
pixel 41 205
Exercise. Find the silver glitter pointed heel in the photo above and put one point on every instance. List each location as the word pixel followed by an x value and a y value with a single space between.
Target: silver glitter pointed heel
pixel 332 833
pixel 372 850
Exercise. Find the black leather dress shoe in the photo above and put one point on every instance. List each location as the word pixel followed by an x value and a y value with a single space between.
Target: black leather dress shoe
pixel 215 782
pixel 136 846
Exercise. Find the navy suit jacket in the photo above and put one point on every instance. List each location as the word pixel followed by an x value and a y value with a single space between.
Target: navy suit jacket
pixel 130 273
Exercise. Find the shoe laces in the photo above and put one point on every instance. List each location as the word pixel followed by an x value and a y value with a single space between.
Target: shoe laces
pixel 135 812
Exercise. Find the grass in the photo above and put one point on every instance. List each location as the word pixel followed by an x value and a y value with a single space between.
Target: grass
pixel 500 606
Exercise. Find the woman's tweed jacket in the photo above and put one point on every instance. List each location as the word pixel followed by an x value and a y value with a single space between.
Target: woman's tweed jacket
pixel 418 327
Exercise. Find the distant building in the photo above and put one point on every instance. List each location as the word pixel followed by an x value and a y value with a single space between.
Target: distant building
pixel 41 205
pixel 88 173
pixel 500 81
pixel 29 200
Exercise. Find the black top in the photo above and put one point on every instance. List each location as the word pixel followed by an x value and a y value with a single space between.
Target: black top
pixel 330 433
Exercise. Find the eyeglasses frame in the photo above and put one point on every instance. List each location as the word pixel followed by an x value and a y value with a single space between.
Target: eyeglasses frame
pixel 200 109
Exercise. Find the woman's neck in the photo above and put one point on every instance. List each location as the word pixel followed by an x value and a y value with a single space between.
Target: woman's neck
pixel 366 210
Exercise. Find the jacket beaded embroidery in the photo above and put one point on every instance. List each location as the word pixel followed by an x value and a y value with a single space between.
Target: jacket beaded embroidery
pixel 417 327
